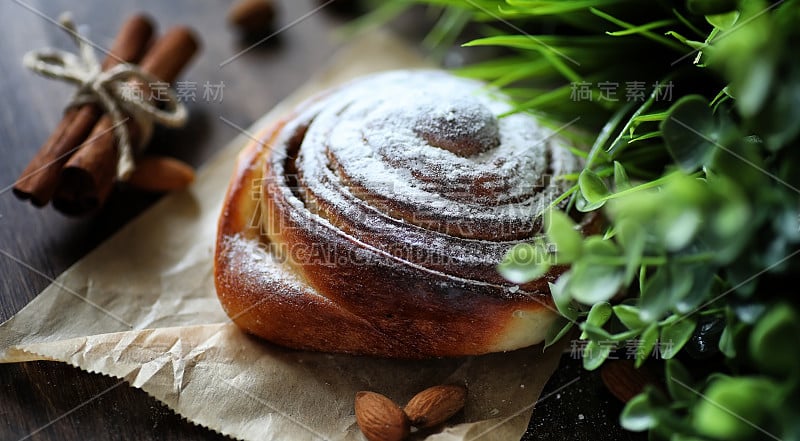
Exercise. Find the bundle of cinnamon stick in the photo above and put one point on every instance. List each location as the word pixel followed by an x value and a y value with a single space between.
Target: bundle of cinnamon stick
pixel 76 166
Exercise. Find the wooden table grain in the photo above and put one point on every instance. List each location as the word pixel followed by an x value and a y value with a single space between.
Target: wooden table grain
pixel 52 401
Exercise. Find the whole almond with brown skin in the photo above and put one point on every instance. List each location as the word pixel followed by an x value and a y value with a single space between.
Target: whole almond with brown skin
pixel 252 16
pixel 435 405
pixel 161 174
pixel 625 381
pixel 379 418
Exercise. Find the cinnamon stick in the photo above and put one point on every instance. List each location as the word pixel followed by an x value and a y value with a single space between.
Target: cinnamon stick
pixel 39 179
pixel 88 176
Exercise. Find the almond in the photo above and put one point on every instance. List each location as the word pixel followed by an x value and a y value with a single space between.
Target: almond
pixel 160 174
pixel 379 418
pixel 625 381
pixel 435 405
pixel 252 16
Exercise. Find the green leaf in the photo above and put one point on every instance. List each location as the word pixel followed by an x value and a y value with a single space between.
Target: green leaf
pixel 524 262
pixel 597 317
pixel 752 93
pixel 646 136
pixel 694 44
pixel 661 291
pixel 723 21
pixel 708 7
pixel 732 408
pixel 639 29
pixel 726 341
pixel 682 228
pixel 702 280
pixel 675 335
pixel 776 120
pixel 644 33
pixel 732 215
pixel 595 353
pixel 592 283
pixel 633 239
pixel 638 414
pixel 647 341
pixel 621 180
pixel 598 247
pixel 595 332
pixel 746 165
pixel 592 186
pixel 629 316
pixel 678 380
pixel 557 330
pixel 775 339
pixel 654 301
pixel 561 297
pixel 599 314
pixel 560 230
pixel 749 312
pixel 624 336
pixel 584 206
pixel 787 223
pixel 690 132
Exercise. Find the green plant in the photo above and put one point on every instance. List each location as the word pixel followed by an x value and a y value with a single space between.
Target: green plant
pixel 698 176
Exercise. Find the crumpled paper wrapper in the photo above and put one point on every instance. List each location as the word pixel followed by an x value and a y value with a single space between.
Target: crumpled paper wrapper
pixel 142 307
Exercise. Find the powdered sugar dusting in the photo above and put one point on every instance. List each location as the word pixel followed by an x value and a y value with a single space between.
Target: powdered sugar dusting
pixel 372 135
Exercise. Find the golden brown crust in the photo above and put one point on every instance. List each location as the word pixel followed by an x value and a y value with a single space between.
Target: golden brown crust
pixel 306 269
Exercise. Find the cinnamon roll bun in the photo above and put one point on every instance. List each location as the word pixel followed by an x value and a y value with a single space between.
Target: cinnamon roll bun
pixel 372 218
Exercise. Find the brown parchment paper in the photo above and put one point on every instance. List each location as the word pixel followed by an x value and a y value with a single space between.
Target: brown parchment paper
pixel 142 307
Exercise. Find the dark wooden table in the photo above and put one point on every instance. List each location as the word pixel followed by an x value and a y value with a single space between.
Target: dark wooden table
pixel 43 400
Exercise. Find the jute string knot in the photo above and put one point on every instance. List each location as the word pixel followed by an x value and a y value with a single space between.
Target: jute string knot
pixel 111 90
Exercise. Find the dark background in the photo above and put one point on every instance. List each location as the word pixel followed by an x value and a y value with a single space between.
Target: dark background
pixel 43 400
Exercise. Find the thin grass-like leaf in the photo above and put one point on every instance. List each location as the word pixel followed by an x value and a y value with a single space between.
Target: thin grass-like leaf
pixel 644 137
pixel 572 190
pixel 650 117
pixel 533 69
pixel 606 132
pixel 647 34
pixel 540 8
pixel 561 93
pixel 616 147
pixel 494 68
pixel 641 28
pixel 446 30
pixel 688 24
pixel 565 70
pixel 691 43
pixel 375 18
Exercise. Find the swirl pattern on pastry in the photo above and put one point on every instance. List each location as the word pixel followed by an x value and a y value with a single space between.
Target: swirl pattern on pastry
pixel 371 221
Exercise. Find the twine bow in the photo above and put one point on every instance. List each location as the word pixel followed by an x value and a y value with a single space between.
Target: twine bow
pixel 111 90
